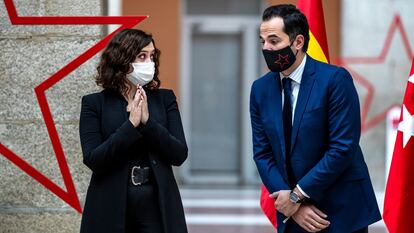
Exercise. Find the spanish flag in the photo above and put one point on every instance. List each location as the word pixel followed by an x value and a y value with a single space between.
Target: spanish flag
pixel 318 44
pixel 318 50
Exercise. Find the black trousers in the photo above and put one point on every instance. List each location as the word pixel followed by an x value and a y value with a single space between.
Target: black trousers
pixel 143 211
pixel 363 230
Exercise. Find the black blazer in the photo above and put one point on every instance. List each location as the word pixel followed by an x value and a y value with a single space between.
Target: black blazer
pixel 107 138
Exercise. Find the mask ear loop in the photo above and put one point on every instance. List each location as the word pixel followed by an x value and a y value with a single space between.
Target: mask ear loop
pixel 130 68
pixel 291 48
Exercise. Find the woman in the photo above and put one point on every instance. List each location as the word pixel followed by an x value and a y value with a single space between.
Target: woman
pixel 131 135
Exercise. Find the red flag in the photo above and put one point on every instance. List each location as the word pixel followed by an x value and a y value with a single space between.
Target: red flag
pixel 318 49
pixel 399 194
pixel 268 206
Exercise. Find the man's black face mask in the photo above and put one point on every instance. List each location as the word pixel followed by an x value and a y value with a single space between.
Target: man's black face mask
pixel 279 60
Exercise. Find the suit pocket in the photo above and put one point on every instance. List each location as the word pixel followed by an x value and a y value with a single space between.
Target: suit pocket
pixel 315 109
pixel 353 174
pixel 315 119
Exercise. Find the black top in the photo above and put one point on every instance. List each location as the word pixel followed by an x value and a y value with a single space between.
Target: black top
pixel 141 157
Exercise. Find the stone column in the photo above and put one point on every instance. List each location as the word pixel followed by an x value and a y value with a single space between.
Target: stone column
pixel 28 56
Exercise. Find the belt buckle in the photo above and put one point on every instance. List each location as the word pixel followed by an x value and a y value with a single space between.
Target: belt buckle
pixel 132 175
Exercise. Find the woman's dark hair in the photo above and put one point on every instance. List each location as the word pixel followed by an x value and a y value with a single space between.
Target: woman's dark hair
pixel 117 57
pixel 295 22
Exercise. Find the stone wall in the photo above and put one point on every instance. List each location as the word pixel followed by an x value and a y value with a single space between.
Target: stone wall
pixel 384 66
pixel 28 56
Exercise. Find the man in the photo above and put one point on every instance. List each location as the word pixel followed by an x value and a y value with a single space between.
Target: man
pixel 306 128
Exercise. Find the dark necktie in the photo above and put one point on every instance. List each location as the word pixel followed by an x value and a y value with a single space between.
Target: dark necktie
pixel 287 125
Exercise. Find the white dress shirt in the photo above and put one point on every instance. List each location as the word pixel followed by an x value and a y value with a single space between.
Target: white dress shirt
pixel 296 77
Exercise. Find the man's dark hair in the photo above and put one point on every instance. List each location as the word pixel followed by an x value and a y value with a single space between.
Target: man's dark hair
pixel 294 20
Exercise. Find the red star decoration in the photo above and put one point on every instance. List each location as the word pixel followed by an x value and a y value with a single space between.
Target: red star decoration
pixel 70 196
pixel 279 60
pixel 368 123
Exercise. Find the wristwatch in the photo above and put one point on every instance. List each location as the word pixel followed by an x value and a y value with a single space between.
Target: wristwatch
pixel 294 197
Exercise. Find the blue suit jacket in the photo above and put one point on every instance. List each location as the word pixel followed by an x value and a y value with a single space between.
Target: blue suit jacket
pixel 325 153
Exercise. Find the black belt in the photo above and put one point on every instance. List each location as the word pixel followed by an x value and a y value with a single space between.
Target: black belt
pixel 140 175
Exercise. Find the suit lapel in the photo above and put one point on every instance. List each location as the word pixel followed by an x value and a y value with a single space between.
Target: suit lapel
pixel 303 97
pixel 275 109
pixel 116 110
pixel 153 105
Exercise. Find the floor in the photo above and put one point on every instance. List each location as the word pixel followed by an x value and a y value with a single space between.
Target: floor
pixel 231 211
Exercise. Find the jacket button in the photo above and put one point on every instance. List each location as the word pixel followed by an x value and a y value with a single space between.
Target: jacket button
pixel 154 162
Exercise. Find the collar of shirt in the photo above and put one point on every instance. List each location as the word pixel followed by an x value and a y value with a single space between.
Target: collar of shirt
pixel 296 75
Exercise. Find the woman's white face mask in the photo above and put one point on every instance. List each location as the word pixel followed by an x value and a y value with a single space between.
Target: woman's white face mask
pixel 142 74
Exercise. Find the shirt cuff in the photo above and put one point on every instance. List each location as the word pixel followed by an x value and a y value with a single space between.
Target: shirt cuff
pixel 303 192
